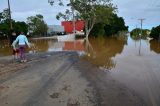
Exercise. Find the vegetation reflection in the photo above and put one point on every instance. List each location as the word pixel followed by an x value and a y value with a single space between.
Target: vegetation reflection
pixel 101 51
pixel 155 46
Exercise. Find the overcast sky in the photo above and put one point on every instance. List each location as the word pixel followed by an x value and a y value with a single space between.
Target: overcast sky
pixel 130 10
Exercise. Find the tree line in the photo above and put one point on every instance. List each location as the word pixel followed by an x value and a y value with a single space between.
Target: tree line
pixel 137 33
pixel 100 17
pixel 35 25
pixel 155 32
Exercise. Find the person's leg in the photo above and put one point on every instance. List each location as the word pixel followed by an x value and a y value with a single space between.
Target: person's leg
pixel 13 53
pixel 24 57
pixel 22 49
pixel 17 53
pixel 16 56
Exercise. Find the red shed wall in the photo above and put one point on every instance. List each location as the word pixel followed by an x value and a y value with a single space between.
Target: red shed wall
pixel 68 25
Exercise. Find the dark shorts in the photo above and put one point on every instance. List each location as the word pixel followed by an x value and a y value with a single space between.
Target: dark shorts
pixel 15 51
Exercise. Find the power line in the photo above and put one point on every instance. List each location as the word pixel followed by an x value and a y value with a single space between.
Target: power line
pixel 141 20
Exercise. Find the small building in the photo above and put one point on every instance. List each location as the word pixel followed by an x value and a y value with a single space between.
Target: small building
pixel 55 30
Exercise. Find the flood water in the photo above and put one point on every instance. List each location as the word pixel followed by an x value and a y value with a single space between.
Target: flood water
pixel 134 63
pixel 102 49
pixel 44 45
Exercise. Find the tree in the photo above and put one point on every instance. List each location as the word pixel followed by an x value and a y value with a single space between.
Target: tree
pixel 155 32
pixel 92 12
pixel 36 25
pixel 5 14
pixel 20 27
pixel 135 33
pixel 66 16
pixel 4 29
pixel 52 2
pixel 5 24
pixel 4 20
pixel 17 27
pixel 98 30
pixel 114 26
pixel 1 17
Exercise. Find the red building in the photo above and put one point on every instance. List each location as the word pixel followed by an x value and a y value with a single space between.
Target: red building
pixel 68 26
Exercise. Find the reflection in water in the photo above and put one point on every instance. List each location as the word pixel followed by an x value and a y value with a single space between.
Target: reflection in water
pixel 74 46
pixel 40 45
pixel 5 48
pixel 104 50
pixel 53 45
pixel 44 45
pixel 137 38
pixel 100 51
pixel 155 46
pixel 37 46
pixel 140 48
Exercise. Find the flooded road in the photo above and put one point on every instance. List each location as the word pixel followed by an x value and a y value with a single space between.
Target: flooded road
pixel 108 47
pixel 138 68
pixel 134 64
pixel 121 71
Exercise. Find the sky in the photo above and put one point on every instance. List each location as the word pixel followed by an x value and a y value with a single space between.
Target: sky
pixel 130 10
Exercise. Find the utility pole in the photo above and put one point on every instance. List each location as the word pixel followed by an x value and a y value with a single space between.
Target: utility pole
pixel 140 35
pixel 141 19
pixel 10 15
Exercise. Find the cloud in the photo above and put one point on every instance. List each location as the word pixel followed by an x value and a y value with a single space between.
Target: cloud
pixel 21 9
pixel 130 10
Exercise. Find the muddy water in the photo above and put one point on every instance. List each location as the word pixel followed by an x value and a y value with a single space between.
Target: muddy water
pixel 104 52
pixel 44 45
pixel 133 63
pixel 101 49
pixel 41 45
pixel 138 68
